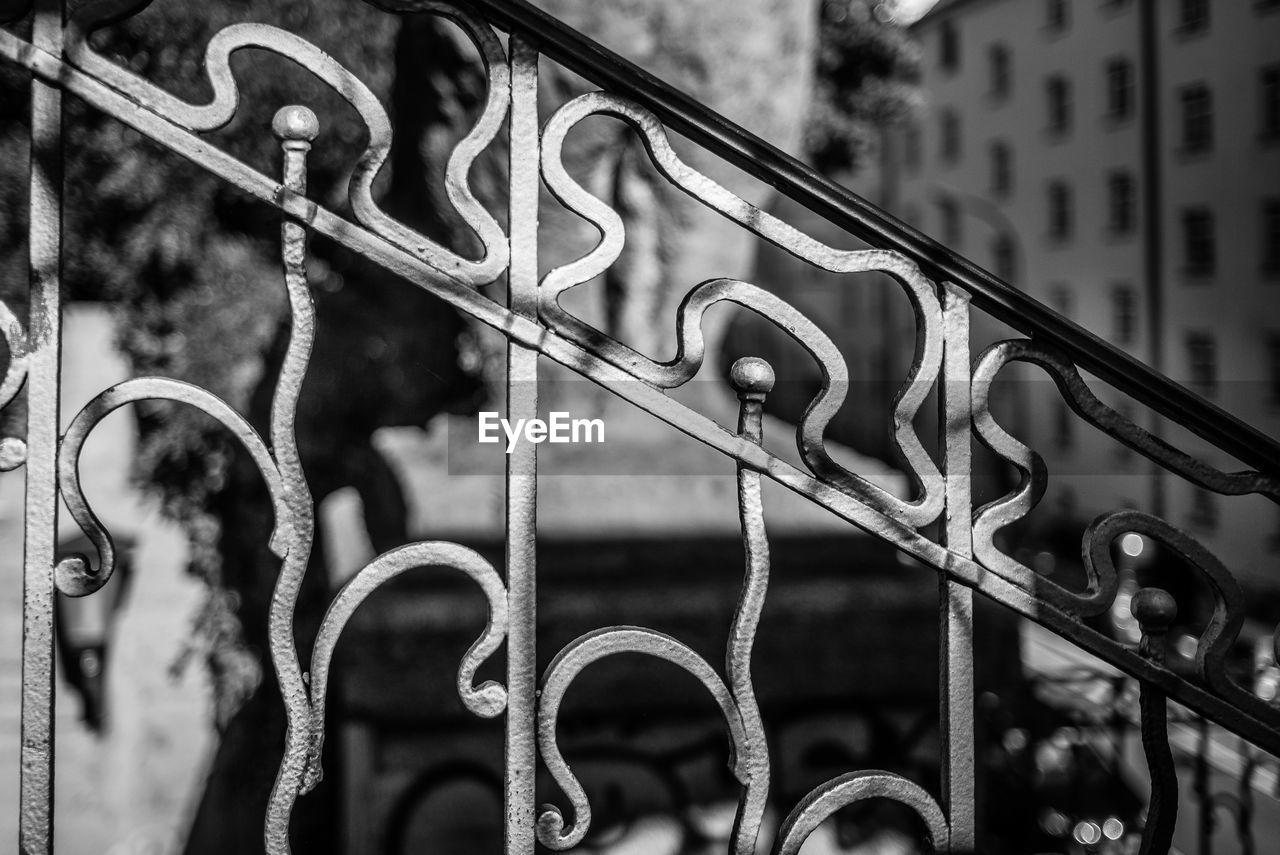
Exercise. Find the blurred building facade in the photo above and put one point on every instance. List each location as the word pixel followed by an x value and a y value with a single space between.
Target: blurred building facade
pixel 1118 160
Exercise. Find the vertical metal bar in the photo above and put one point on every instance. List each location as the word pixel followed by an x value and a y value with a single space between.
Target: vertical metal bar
pixel 296 127
pixel 955 600
pixel 1244 798
pixel 35 829
pixel 1204 798
pixel 752 378
pixel 522 462
pixel 1155 611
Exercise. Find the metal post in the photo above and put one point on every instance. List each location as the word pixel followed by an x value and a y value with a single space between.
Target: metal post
pixel 1204 797
pixel 35 834
pixel 955 600
pixel 522 462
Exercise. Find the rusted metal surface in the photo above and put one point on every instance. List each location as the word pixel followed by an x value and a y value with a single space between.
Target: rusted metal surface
pixel 965 553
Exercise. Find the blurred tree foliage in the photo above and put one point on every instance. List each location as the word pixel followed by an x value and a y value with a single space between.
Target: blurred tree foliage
pixel 865 79
pixel 192 264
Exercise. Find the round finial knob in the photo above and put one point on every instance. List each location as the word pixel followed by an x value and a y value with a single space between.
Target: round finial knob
pixel 296 122
pixel 751 375
pixel 13 453
pixel 1154 609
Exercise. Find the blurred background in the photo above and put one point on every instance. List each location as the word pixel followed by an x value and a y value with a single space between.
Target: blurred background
pixel 1118 160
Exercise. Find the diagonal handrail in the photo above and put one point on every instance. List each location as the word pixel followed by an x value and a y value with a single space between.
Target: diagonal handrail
pixel 963 552
pixel 864 220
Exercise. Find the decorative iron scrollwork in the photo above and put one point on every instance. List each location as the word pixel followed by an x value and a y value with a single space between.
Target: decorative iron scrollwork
pixel 924 302
pixel 61 59
pixel 13 451
pixel 222 108
pixel 995 515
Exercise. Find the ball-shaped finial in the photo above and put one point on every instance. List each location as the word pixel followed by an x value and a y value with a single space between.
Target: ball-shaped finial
pixel 13 453
pixel 751 374
pixel 296 122
pixel 1154 609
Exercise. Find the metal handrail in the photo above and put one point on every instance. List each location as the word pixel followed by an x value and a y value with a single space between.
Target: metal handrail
pixel 965 551
pixel 861 218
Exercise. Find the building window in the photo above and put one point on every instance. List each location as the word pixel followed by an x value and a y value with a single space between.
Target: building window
pixel 949 214
pixel 1058 100
pixel 949 48
pixel 911 147
pixel 1124 315
pixel 1004 256
pixel 1199 252
pixel 1119 89
pixel 1193 15
pixel 1060 218
pixel 1056 14
pixel 1120 203
pixel 1202 362
pixel 1001 169
pixel 1270 113
pixel 1001 73
pixel 950 136
pixel 1271 236
pixel 1197 118
pixel 1204 510
pixel 1273 368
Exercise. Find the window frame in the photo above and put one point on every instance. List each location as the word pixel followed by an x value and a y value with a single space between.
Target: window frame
pixel 1124 313
pixel 1000 159
pixel 1202 362
pixel 1196 128
pixel 1273 369
pixel 999 72
pixel 949 47
pixel 1061 213
pixel 1199 251
pixel 1269 102
pixel 1058 104
pixel 1122 208
pixel 1057 15
pixel 949 145
pixel 1121 86
pixel 1269 256
pixel 1187 25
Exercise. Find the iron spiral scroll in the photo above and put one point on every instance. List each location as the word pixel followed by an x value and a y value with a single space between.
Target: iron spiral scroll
pixel 967 554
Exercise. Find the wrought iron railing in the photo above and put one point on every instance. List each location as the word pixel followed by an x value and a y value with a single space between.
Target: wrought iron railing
pixel 941 287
